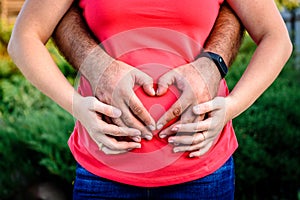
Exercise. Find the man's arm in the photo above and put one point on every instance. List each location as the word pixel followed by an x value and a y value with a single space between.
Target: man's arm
pixel 226 37
pixel 225 40
pixel 82 50
pixel 73 39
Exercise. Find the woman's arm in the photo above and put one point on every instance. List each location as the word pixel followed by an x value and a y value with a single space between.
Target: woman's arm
pixel 82 50
pixel 266 27
pixel 33 28
pixel 263 22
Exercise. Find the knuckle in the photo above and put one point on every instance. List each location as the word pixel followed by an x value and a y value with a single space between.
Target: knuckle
pixel 128 120
pixel 112 146
pixel 118 132
pixel 124 93
pixel 177 111
pixel 106 132
pixel 197 139
pixel 117 121
pixel 93 131
pixel 137 109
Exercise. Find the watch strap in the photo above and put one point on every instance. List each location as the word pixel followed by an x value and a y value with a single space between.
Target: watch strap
pixel 218 60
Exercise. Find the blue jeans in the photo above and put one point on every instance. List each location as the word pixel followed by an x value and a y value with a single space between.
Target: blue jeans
pixel 218 185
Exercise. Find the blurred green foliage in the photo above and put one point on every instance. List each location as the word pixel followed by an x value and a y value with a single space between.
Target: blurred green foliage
pixel 34 132
pixel 33 129
pixel 289 4
pixel 267 160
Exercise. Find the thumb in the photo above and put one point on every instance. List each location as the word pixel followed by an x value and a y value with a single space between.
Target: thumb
pixel 208 106
pixel 203 108
pixel 105 109
pixel 164 82
pixel 146 81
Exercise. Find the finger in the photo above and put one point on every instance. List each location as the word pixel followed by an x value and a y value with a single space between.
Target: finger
pixel 208 106
pixel 109 151
pixel 114 145
pixel 111 129
pixel 112 152
pixel 188 139
pixel 168 131
pixel 164 82
pixel 146 81
pixel 185 148
pixel 174 112
pixel 120 123
pixel 201 151
pixel 192 127
pixel 105 109
pixel 130 121
pixel 140 111
pixel 188 116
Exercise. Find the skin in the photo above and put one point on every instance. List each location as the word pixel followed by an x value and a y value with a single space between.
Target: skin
pixel 261 19
pixel 76 43
pixel 273 42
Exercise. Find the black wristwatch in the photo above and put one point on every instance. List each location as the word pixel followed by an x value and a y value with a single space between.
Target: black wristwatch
pixel 218 60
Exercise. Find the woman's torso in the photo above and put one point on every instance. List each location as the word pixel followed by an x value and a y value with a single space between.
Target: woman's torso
pixel 153 36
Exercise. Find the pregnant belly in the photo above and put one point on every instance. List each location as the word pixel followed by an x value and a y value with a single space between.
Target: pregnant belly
pixel 157 105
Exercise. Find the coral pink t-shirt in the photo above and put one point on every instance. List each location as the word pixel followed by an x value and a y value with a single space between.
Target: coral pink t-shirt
pixel 155 37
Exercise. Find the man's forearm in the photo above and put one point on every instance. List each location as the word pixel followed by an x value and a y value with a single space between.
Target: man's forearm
pixel 80 47
pixel 73 38
pixel 226 36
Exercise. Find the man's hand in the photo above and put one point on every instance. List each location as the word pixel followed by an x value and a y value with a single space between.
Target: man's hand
pixel 115 87
pixel 198 82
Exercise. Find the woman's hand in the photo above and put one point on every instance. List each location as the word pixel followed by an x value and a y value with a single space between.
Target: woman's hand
pixel 199 136
pixel 89 111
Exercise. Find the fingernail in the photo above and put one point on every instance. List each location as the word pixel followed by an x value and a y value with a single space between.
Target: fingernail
pixel 152 91
pixel 137 139
pixel 170 140
pixel 137 133
pixel 162 136
pixel 138 146
pixel 191 155
pixel 148 137
pixel 157 92
pixel 159 126
pixel 117 112
pixel 151 127
pixel 196 109
pixel 175 150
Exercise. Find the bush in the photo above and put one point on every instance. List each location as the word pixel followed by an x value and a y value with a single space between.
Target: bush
pixel 267 160
pixel 33 131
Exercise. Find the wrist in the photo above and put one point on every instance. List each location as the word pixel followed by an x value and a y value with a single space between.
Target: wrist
pixel 75 102
pixel 94 66
pixel 209 73
pixel 232 107
pixel 217 59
